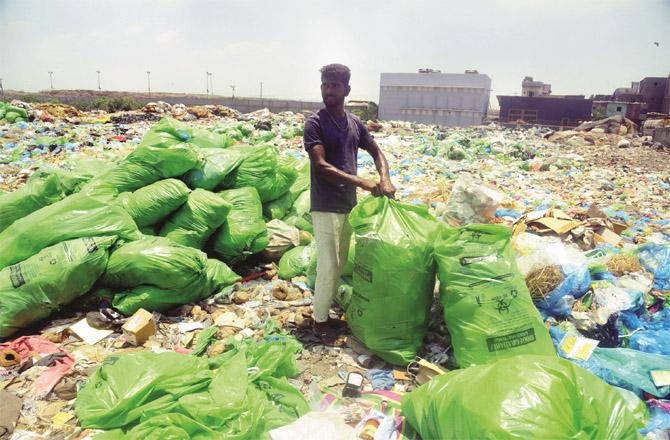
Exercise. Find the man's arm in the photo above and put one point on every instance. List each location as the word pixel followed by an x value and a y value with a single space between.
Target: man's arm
pixel 385 185
pixel 317 156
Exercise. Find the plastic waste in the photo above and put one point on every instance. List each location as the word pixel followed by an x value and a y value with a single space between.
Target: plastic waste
pixel 394 276
pixel 76 216
pixel 34 195
pixel 153 203
pixel 261 169
pixel 176 396
pixel 295 261
pixel 487 307
pixel 525 396
pixel 282 237
pixel 471 201
pixel 216 165
pixel 244 233
pixel 193 223
pixel 278 208
pixel 656 259
pixel 35 288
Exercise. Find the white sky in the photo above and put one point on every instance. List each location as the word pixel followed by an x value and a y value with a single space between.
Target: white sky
pixel 579 46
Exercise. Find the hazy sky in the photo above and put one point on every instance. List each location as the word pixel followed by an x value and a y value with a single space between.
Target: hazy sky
pixel 579 46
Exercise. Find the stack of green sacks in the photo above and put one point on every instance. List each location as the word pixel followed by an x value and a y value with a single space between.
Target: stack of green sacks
pixel 57 275
pixel 157 274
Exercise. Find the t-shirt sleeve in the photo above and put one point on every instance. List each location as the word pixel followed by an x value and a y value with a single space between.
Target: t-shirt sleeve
pixel 312 134
pixel 365 137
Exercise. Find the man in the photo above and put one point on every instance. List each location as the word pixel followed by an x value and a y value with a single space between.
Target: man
pixel 332 139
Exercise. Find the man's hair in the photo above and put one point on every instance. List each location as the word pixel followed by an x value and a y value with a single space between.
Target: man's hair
pixel 338 71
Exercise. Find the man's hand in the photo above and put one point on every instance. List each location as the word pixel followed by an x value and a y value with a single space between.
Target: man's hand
pixel 371 186
pixel 387 189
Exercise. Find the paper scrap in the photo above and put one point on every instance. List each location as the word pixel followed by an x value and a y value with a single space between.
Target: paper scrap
pixel 577 347
pixel 88 334
pixel 61 418
pixel 185 327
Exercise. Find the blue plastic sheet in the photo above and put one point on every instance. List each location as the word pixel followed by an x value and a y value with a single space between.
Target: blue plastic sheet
pixel 576 282
pixel 649 333
pixel 659 419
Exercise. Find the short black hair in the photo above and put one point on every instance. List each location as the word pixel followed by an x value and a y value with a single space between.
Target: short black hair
pixel 338 71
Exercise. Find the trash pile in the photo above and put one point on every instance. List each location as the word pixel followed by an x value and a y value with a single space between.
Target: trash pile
pixel 532 263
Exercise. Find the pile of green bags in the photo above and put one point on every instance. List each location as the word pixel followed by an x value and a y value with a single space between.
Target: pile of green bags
pixel 278 209
pixel 76 216
pixel 523 397
pixel 262 169
pixel 241 394
pixel 394 277
pixel 32 196
pixel 157 274
pixel 487 307
pixel 11 114
pixel 215 166
pixel 33 289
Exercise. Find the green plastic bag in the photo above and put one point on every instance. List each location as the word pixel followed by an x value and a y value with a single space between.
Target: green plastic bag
pixel 244 233
pixel 76 216
pixel 215 166
pixel 177 396
pixel 487 307
pixel 348 270
pixel 295 262
pixel 299 215
pixel 278 208
pixel 196 221
pixel 34 195
pixel 157 261
pixel 153 203
pixel 394 277
pixel 35 288
pixel 260 168
pixel 167 150
pixel 523 397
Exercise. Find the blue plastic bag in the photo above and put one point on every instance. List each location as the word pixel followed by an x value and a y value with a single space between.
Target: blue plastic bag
pixel 656 259
pixel 576 282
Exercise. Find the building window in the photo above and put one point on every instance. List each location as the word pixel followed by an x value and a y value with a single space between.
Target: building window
pixel 525 115
pixel 530 93
pixel 618 108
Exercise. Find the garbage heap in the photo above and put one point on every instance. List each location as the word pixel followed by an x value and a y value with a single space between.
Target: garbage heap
pixel 532 264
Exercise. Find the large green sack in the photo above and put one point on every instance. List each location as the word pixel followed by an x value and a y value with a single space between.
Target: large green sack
pixel 523 397
pixel 56 276
pixel 167 150
pixel 394 277
pixel 487 307
pixel 261 168
pixel 241 394
pixel 153 203
pixel 244 233
pixel 299 215
pixel 152 298
pixel 215 166
pixel 278 208
pixel 76 216
pixel 34 195
pixel 295 262
pixel 197 219
pixel 80 172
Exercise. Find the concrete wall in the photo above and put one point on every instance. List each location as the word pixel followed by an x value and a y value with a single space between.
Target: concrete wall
pixel 446 99
pixel 662 135
pixel 244 105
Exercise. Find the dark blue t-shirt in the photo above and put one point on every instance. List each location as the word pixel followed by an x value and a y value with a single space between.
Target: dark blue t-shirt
pixel 341 139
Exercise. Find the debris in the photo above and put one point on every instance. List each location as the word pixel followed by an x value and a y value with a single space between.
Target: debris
pixel 140 327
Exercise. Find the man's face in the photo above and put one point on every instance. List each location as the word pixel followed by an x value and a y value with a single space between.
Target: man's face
pixel 333 91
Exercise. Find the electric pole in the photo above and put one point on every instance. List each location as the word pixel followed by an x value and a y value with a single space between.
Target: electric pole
pixel 98 72
pixel 149 81
pixel 207 82
pixel 51 79
pixel 261 89
pixel 211 84
pixel 233 87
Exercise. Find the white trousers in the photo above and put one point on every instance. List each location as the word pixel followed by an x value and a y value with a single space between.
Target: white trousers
pixel 332 233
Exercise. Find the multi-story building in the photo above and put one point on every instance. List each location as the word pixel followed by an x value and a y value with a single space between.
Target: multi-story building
pixel 529 87
pixel 432 97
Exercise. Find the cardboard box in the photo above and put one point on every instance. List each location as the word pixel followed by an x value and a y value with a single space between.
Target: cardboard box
pixel 140 327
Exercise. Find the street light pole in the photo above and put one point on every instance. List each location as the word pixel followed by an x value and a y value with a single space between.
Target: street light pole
pixel 211 83
pixel 2 91
pixel 233 87
pixel 98 72
pixel 149 81
pixel 207 82
pixel 261 89
pixel 51 79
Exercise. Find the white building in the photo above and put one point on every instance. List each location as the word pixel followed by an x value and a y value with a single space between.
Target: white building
pixel 431 97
